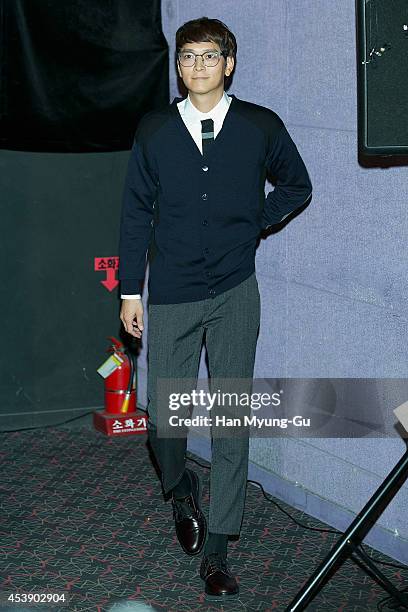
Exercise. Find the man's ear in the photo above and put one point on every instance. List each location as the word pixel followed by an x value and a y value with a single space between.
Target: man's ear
pixel 229 66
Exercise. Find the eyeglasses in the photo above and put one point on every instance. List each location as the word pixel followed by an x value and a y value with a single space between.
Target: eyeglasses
pixel 210 58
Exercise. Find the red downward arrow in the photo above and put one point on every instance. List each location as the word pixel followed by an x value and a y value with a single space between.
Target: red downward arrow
pixel 111 282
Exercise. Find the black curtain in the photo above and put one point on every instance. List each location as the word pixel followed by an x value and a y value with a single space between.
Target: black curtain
pixel 77 75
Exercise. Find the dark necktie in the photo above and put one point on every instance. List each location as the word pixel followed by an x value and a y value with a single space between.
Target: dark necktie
pixel 207 132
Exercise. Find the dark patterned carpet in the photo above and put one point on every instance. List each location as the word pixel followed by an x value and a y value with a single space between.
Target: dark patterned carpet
pixel 85 514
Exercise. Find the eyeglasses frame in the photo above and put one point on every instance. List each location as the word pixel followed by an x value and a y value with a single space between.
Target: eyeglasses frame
pixel 220 54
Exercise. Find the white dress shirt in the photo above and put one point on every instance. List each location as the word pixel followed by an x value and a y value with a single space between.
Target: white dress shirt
pixel 192 118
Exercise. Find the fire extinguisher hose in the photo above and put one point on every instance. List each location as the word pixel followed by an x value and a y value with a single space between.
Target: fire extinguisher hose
pixel 125 405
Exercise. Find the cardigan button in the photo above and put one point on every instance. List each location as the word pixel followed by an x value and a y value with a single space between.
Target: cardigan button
pixel 206 250
pixel 212 291
pixel 204 196
pixel 205 168
pixel 205 222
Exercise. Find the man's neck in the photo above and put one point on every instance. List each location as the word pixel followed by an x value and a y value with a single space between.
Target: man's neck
pixel 206 102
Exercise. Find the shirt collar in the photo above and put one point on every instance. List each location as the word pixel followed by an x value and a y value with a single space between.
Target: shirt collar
pixel 193 114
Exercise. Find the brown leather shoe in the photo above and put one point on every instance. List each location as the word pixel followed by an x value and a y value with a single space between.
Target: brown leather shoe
pixel 220 584
pixel 190 523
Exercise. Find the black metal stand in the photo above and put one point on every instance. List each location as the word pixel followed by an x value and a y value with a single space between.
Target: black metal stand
pixel 346 547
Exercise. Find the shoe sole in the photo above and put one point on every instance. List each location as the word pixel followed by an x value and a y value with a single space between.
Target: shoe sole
pixel 222 598
pixel 197 552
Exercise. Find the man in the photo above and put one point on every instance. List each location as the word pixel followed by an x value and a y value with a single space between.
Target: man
pixel 194 199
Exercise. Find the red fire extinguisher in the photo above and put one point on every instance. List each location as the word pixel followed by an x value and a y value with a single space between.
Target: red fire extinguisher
pixel 120 386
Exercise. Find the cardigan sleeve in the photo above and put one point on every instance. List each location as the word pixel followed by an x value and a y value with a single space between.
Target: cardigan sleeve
pixel 136 219
pixel 293 186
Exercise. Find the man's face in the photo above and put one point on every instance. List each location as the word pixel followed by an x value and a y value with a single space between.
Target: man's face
pixel 203 79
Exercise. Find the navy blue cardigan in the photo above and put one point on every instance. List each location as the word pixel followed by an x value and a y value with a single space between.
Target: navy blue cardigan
pixel 199 217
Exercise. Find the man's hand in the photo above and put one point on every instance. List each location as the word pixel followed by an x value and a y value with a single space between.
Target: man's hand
pixel 131 315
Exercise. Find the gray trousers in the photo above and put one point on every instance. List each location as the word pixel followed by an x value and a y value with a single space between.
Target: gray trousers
pixel 230 322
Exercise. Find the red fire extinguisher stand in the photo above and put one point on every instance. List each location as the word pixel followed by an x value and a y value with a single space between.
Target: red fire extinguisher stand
pixel 120 415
